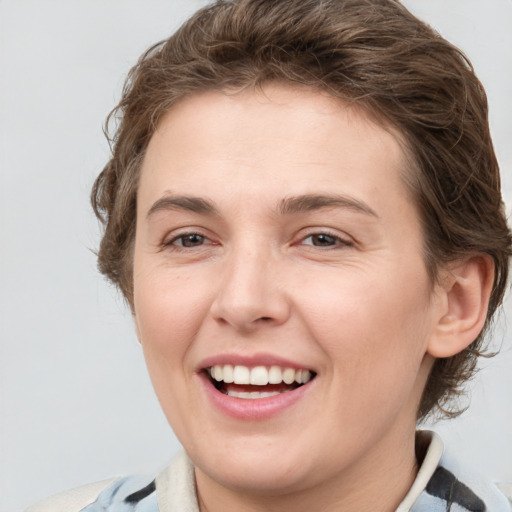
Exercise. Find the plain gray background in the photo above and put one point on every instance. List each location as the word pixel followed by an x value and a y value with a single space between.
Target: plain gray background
pixel 76 404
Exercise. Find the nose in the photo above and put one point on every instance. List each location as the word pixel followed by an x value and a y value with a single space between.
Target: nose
pixel 250 292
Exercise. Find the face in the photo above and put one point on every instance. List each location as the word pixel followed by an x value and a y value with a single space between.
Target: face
pixel 280 294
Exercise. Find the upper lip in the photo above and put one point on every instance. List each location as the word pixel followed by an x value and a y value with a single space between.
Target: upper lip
pixel 251 361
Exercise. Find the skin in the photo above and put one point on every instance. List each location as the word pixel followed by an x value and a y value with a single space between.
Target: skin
pixel 357 308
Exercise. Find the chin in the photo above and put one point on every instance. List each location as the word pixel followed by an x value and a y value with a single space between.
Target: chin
pixel 259 476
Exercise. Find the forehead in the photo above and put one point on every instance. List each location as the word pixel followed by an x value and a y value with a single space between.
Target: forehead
pixel 257 136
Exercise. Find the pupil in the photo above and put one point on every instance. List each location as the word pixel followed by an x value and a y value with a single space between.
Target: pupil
pixel 323 240
pixel 192 240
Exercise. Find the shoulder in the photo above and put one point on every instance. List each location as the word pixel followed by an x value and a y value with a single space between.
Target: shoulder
pixel 175 487
pixel 447 482
pixel 126 493
pixel 462 482
pixel 506 489
pixel 73 500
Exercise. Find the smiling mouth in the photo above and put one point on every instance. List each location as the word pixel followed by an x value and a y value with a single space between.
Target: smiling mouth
pixel 257 382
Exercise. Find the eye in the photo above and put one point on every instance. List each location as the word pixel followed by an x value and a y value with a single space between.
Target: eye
pixel 325 240
pixel 188 240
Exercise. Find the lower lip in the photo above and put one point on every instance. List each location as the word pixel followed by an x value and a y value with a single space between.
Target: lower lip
pixel 253 409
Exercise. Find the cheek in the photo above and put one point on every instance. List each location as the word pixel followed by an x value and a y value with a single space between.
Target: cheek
pixel 373 331
pixel 168 311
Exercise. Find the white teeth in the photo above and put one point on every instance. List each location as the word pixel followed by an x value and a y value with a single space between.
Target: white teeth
pixel 259 375
pixel 241 375
pixel 302 376
pixel 275 375
pixel 217 373
pixel 228 374
pixel 270 393
pixel 252 395
pixel 289 375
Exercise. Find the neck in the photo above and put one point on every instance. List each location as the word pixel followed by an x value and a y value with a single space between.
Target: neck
pixel 379 481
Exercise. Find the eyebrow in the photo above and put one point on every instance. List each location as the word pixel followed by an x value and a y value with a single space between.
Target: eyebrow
pixel 294 204
pixel 308 202
pixel 187 203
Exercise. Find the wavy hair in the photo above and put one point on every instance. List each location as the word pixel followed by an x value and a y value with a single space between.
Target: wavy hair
pixel 373 53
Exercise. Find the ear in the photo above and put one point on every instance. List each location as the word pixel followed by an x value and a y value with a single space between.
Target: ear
pixel 465 291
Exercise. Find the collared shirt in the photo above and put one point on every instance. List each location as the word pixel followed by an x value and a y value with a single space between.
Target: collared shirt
pixel 441 485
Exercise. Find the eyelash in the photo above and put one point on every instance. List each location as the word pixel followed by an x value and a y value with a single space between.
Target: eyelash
pixel 335 241
pixel 182 236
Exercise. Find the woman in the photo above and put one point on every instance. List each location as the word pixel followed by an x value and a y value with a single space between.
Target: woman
pixel 303 211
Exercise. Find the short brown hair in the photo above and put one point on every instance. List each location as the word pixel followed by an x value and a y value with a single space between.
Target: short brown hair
pixel 370 52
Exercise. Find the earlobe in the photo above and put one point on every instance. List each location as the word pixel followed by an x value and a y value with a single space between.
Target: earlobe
pixel 466 289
